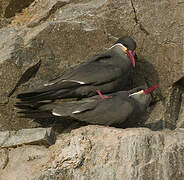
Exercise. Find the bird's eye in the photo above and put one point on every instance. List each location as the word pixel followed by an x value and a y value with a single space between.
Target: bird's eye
pixel 125 45
pixel 140 89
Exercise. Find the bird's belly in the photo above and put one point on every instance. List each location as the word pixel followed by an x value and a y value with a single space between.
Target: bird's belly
pixel 104 117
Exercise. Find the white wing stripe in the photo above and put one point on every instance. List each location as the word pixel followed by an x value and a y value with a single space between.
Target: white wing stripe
pixel 48 84
pixel 80 82
pixel 56 114
pixel 75 112
pixel 118 44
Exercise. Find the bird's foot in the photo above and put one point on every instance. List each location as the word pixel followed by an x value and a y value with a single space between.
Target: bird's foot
pixel 101 96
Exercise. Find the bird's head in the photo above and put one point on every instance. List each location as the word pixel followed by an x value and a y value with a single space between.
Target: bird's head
pixel 128 45
pixel 142 95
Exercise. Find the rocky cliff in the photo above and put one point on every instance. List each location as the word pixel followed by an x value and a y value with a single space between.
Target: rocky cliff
pixel 40 39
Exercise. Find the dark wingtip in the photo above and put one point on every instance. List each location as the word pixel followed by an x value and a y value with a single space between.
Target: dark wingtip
pixel 19 96
pixel 23 95
pixel 150 89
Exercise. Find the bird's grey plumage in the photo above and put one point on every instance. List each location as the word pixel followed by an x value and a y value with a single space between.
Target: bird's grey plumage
pixel 107 72
pixel 94 110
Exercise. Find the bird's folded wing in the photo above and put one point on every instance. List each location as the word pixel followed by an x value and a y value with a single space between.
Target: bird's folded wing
pixel 94 70
pixel 76 108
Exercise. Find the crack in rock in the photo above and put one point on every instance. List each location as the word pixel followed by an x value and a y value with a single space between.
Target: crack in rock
pixel 137 20
pixel 26 76
pixel 4 157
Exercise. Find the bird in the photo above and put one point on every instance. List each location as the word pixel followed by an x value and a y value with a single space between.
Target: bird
pixel 101 74
pixel 93 110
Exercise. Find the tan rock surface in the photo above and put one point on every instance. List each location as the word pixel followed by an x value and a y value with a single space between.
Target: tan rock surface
pixel 24 162
pixel 97 152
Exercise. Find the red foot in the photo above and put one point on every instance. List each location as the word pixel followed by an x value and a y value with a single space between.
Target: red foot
pixel 101 96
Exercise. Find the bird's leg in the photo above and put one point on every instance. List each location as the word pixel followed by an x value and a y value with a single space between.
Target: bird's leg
pixel 101 96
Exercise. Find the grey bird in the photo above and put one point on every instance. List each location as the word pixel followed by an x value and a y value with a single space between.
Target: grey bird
pixel 93 110
pixel 104 73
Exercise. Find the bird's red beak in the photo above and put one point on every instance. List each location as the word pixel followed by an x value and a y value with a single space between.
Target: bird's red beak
pixel 150 89
pixel 131 56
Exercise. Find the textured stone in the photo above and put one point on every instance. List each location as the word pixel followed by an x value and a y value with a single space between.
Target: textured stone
pixel 162 44
pixel 109 153
pixel 25 162
pixel 10 7
pixel 42 136
pixel 97 152
pixel 3 158
pixel 180 122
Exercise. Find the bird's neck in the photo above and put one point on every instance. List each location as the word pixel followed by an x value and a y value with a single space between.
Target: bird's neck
pixel 118 51
pixel 142 101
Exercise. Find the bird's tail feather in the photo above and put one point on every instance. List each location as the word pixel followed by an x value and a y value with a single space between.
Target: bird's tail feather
pixel 44 109
pixel 35 114
pixel 55 91
pixel 35 109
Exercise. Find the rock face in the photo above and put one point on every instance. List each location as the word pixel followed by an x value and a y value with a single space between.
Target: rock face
pixel 40 39
pixel 26 162
pixel 95 152
pixel 63 33
pixel 10 7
